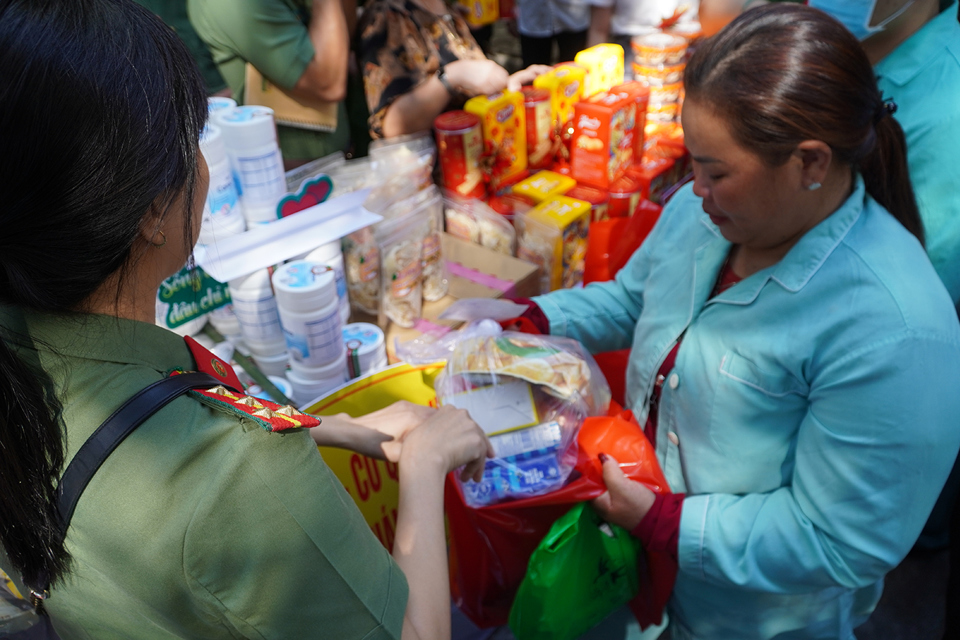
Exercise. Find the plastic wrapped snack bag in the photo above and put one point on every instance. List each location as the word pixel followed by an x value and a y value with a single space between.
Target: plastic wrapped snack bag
pixel 475 222
pixel 436 280
pixel 401 250
pixel 361 260
pixel 536 243
pixel 413 154
pixel 530 394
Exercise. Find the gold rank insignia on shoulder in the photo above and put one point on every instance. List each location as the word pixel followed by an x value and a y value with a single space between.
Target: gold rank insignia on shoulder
pixel 269 415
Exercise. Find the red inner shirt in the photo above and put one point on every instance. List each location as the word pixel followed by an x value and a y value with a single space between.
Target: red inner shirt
pixel 659 529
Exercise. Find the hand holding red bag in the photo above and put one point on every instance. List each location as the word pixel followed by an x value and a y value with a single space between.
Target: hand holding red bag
pixel 491 546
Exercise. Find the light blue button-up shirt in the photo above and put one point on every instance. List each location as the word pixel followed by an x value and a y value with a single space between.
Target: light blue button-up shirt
pixel 812 415
pixel 922 76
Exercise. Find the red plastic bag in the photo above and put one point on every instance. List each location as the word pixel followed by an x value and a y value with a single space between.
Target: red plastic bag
pixel 491 546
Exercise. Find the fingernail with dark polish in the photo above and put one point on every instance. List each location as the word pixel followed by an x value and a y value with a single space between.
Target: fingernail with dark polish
pixel 602 457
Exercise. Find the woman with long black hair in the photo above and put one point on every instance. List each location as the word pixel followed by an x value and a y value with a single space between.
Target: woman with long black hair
pixel 202 523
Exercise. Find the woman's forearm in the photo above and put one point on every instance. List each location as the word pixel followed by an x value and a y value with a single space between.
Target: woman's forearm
pixel 416 110
pixel 420 551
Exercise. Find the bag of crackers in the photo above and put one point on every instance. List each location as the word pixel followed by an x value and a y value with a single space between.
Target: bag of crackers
pixel 530 394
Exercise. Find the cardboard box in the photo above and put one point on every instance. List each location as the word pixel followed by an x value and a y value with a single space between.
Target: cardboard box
pixel 565 84
pixel 478 272
pixel 602 144
pixel 543 185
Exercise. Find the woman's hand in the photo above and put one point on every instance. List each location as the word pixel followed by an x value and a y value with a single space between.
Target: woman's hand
pixel 477 77
pixel 526 76
pixel 379 434
pixel 625 502
pixel 447 440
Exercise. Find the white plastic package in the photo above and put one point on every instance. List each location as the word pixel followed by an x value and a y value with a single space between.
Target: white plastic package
pixel 474 221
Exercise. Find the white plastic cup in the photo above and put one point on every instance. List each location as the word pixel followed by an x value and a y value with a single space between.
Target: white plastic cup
pixel 273 365
pixel 366 348
pixel 222 216
pixel 256 309
pixel 309 312
pixel 312 382
pixel 216 103
pixel 257 213
pixel 250 136
pixel 280 382
pixel 225 321
pixel 331 255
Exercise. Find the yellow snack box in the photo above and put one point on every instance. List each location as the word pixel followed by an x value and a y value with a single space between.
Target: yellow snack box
pixel 565 84
pixel 504 133
pixel 543 185
pixel 480 12
pixel 554 235
pixel 604 65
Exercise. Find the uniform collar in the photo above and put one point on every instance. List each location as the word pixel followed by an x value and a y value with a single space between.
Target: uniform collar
pixel 795 269
pixel 97 337
pixel 922 48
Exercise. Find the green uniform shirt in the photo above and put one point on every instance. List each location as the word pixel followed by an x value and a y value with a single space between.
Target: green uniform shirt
pixel 201 524
pixel 174 13
pixel 272 36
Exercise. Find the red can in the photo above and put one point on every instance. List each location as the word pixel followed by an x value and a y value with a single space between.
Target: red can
pixel 536 103
pixel 624 196
pixel 459 147
pixel 599 201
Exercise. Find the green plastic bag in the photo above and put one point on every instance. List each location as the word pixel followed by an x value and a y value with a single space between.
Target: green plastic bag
pixel 581 572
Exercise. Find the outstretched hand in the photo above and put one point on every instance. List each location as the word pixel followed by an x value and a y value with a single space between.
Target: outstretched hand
pixel 449 439
pixel 625 502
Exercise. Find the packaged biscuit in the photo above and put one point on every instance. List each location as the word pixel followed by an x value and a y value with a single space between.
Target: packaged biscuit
pixel 565 84
pixel 460 145
pixel 602 145
pixel 659 49
pixel 599 201
pixel 639 93
pixel 480 12
pixel 625 194
pixel 554 235
pixel 604 65
pixel 473 221
pixel 543 185
pixel 540 129
pixel 655 175
pixel 504 134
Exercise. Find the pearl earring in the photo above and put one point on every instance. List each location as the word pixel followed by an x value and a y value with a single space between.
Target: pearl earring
pixel 814 186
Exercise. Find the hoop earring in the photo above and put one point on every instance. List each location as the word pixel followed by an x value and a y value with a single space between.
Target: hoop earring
pixel 164 240
pixel 812 187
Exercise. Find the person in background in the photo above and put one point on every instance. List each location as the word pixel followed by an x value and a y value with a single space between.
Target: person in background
pixel 204 522
pixel 301 46
pixel 619 21
pixel 174 13
pixel 418 60
pixel 543 23
pixel 794 354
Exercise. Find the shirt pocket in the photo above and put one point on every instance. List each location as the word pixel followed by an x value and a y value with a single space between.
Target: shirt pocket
pixel 756 413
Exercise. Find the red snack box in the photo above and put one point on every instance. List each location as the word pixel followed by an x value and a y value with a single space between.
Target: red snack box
pixel 599 201
pixel 602 146
pixel 459 147
pixel 536 103
pixel 639 93
pixel 625 195
pixel 654 174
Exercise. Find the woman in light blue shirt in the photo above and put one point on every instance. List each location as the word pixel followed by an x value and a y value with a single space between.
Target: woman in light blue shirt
pixel 810 415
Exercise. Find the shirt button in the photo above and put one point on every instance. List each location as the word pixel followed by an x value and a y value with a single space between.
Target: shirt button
pixel 672 437
pixel 674 381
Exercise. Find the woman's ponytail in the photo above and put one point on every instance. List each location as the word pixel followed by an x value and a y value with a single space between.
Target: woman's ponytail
pixel 886 175
pixel 31 456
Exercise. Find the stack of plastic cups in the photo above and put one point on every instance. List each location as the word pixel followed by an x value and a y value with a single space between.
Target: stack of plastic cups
pixel 250 136
pixel 255 307
pixel 331 255
pixel 310 316
pixel 216 103
pixel 366 348
pixel 222 217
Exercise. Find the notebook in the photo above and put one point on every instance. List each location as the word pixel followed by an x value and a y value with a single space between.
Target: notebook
pixel 287 111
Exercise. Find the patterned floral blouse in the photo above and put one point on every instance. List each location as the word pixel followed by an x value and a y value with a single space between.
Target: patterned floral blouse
pixel 401 45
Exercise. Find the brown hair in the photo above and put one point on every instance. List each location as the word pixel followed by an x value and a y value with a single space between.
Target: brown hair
pixel 785 73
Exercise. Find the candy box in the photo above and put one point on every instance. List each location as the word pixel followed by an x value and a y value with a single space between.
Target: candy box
pixel 543 185
pixel 540 130
pixel 481 12
pixel 504 133
pixel 639 93
pixel 604 65
pixel 565 84
pixel 599 201
pixel 602 145
pixel 554 235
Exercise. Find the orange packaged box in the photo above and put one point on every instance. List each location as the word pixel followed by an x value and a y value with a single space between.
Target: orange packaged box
pixel 543 185
pixel 481 12
pixel 640 94
pixel 602 145
pixel 504 133
pixel 540 129
pixel 553 235
pixel 604 65
pixel 565 84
